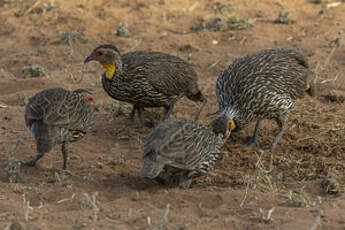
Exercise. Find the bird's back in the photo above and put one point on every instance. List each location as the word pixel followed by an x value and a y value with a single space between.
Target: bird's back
pixel 181 143
pixel 264 80
pixel 166 73
pixel 53 113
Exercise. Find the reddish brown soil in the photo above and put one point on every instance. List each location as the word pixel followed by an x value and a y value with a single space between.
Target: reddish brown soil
pixel 309 162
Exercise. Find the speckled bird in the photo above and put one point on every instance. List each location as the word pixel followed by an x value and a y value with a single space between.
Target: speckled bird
pixel 58 116
pixel 263 85
pixel 185 145
pixel 146 78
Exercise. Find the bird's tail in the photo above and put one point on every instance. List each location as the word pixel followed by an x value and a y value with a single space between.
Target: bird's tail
pixel 311 90
pixel 151 168
pixel 196 96
pixel 311 86
pixel 43 136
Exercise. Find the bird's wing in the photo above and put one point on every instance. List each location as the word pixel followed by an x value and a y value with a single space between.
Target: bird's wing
pixel 46 106
pixel 56 107
pixel 179 144
pixel 166 73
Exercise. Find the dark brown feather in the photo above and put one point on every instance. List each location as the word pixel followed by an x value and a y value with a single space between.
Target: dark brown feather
pixel 149 79
pixel 264 85
pixel 182 144
pixel 57 116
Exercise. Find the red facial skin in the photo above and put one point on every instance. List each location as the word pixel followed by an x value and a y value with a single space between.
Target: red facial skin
pixel 98 54
pixel 90 100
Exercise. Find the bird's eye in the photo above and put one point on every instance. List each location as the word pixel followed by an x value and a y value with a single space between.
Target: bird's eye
pixel 88 98
pixel 99 53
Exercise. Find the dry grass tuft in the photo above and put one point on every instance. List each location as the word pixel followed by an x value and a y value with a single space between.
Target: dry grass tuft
pixel 263 216
pixel 298 199
pixel 222 20
pixel 13 167
pixel 15 225
pixel 122 30
pixel 70 37
pixel 265 178
pixel 284 17
pixel 34 70
pixel 90 202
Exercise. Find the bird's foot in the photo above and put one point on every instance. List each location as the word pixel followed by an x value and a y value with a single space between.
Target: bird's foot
pixel 252 143
pixel 129 122
pixel 149 123
pixel 205 183
pixel 160 180
pixel 271 148
pixel 30 163
pixel 66 171
pixel 185 183
pixel 197 115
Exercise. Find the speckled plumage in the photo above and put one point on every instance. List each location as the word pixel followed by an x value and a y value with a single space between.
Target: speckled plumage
pixel 58 116
pixel 182 144
pixel 147 78
pixel 264 85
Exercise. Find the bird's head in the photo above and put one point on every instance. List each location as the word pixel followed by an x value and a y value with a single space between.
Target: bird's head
pixel 87 96
pixel 109 57
pixel 223 124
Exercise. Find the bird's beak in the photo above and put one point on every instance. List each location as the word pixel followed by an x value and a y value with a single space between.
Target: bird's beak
pixel 227 134
pixel 87 59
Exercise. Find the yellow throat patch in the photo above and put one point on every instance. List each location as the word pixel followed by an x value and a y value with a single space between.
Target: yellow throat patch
pixel 110 69
pixel 233 125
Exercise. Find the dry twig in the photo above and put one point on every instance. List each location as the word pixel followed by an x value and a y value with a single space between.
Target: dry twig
pixel 32 7
pixel 317 221
pixel 26 206
pixel 245 193
pixel 66 199
pixel 3 105
pixel 165 218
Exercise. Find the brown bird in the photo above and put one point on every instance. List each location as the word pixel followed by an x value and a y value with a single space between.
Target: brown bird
pixel 185 145
pixel 263 85
pixel 146 78
pixel 58 116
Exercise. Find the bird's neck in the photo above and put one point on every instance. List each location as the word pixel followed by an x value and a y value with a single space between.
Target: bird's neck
pixel 231 112
pixel 110 69
pixel 116 86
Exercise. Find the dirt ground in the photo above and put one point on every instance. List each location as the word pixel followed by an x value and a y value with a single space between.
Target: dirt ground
pixel 102 189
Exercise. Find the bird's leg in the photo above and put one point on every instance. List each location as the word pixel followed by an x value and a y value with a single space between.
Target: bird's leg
pixel 32 162
pixel 140 111
pixel 197 115
pixel 185 181
pixel 132 115
pixel 254 139
pixel 64 151
pixel 168 110
pixel 280 123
